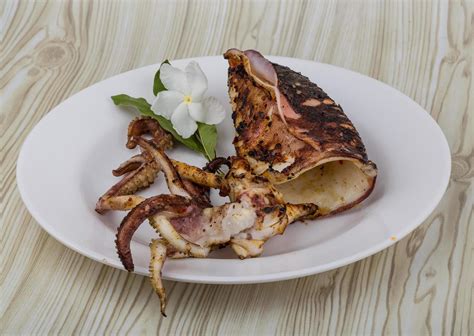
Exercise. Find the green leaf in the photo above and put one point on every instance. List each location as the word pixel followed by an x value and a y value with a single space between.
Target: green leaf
pixel 139 103
pixel 157 83
pixel 145 109
pixel 208 137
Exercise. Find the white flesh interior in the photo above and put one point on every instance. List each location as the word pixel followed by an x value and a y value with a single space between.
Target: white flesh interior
pixel 330 186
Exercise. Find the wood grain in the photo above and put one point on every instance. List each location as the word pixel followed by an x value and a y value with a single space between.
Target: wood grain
pixel 422 285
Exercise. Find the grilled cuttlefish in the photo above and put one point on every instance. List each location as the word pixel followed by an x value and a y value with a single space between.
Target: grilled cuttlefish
pixel 294 134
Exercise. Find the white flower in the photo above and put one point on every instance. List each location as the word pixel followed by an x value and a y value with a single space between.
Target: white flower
pixel 183 102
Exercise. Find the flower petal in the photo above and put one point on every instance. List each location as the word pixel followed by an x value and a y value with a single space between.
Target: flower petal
pixel 197 80
pixel 213 110
pixel 197 112
pixel 174 79
pixel 182 121
pixel 166 102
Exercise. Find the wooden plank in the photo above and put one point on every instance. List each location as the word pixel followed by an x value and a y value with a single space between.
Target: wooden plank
pixel 424 284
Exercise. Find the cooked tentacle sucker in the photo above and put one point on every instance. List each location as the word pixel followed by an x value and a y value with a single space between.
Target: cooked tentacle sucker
pixel 293 133
pixel 120 196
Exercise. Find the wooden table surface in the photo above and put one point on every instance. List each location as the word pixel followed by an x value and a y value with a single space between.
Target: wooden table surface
pixel 424 284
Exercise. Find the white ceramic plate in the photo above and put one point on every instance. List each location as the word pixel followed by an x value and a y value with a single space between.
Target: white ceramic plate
pixel 65 165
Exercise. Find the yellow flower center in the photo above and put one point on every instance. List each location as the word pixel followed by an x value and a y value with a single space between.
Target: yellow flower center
pixel 188 99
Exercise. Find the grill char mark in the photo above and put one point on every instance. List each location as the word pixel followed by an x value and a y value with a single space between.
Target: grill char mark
pixel 253 124
pixel 321 123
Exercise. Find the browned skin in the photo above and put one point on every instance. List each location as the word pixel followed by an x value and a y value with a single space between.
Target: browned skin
pixel 199 192
pixel 324 126
pixel 311 134
pixel 130 165
pixel 140 171
pixel 261 136
pixel 197 175
pixel 147 125
pixel 141 178
pixel 174 205
pixel 315 127
pixel 214 165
